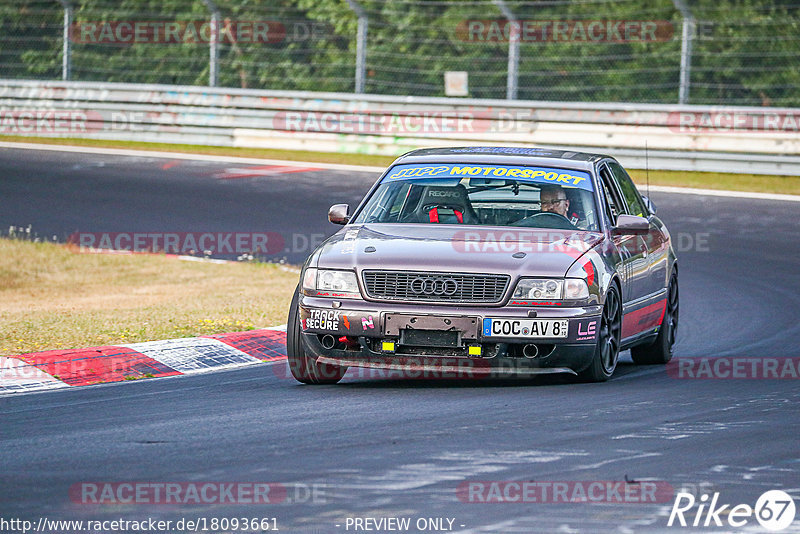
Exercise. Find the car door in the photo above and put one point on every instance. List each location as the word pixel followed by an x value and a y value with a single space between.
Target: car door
pixel 633 246
pixel 656 242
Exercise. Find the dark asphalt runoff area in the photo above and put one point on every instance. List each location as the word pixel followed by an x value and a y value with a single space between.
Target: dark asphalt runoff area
pixel 384 448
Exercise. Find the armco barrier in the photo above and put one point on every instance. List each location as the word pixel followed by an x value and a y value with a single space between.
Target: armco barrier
pixel 731 139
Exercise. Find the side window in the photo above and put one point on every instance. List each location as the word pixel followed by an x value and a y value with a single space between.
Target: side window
pixel 398 202
pixel 387 208
pixel 634 201
pixel 614 204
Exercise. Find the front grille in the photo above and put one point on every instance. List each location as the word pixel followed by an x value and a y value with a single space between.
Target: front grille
pixel 435 287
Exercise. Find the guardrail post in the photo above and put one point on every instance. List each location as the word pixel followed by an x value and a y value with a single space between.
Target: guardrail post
pixel 361 44
pixel 66 47
pixel 513 49
pixel 213 43
pixel 687 34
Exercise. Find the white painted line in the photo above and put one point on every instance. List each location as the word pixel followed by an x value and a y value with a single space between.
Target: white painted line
pixel 83 249
pixel 194 354
pixel 719 193
pixel 204 260
pixel 192 157
pixel 356 168
pixel 238 173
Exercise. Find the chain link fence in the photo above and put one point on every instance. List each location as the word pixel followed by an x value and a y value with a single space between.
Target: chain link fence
pixel 718 52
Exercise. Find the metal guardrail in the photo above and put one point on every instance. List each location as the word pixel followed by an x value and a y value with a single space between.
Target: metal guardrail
pixel 692 138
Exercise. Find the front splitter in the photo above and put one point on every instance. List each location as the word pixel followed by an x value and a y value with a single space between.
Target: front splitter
pixel 434 367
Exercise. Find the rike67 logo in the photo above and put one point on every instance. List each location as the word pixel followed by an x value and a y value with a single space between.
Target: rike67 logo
pixel 774 511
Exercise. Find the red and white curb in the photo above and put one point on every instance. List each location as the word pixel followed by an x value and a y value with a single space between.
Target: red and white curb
pixel 55 369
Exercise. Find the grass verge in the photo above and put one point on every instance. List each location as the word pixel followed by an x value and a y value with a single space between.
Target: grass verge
pixel 266 153
pixel 757 183
pixel 760 183
pixel 52 298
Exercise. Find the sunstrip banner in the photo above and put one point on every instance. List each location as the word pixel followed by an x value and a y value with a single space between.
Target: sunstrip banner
pixel 538 175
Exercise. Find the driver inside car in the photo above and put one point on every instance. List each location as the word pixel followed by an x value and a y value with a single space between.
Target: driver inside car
pixel 554 200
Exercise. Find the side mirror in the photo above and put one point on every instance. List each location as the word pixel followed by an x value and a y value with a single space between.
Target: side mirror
pixel 631 225
pixel 339 214
pixel 651 208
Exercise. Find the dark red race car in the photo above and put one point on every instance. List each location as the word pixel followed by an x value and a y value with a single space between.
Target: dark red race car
pixel 489 259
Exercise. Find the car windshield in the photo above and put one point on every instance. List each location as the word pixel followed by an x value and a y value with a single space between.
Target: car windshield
pixel 495 195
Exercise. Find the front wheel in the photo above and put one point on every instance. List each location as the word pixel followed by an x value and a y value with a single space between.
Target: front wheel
pixel 305 368
pixel 660 351
pixel 606 352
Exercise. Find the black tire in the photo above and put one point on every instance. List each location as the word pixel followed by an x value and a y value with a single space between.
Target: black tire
pixel 606 352
pixel 660 350
pixel 303 367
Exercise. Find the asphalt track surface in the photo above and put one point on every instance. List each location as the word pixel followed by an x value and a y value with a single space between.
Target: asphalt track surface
pixel 397 448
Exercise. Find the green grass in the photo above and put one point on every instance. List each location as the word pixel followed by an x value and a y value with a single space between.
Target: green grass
pixel 292 155
pixel 760 183
pixel 54 298
pixel 703 180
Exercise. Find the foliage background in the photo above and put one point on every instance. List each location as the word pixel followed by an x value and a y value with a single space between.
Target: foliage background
pixel 744 50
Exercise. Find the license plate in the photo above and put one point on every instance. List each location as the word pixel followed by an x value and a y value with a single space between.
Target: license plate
pixel 396 322
pixel 430 338
pixel 527 328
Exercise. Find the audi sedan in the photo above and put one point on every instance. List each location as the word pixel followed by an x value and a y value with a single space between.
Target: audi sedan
pixel 488 261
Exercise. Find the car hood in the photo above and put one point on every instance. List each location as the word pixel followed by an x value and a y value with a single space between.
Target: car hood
pixel 455 248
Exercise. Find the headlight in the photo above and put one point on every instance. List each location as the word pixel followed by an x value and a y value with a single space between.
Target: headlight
pixel 310 279
pixel 553 289
pixel 534 288
pixel 575 289
pixel 331 283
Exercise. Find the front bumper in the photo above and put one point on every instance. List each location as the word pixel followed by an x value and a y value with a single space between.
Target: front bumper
pixel 355 333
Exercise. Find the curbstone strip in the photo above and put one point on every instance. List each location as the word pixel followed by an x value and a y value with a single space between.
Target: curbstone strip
pixel 54 369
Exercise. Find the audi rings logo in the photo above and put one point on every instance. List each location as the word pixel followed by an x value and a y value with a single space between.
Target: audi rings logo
pixel 434 286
